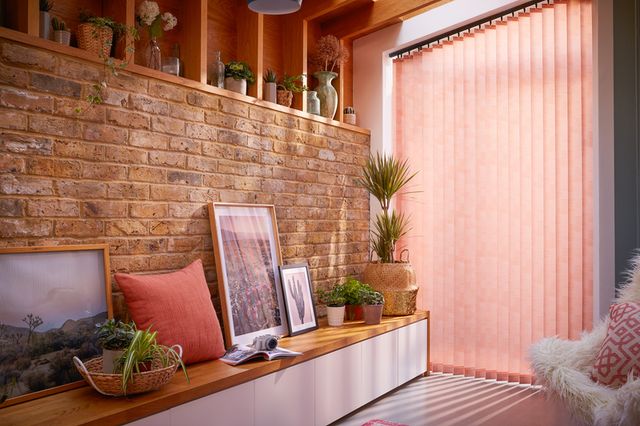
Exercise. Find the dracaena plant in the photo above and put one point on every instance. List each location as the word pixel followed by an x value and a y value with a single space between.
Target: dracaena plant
pixel 384 176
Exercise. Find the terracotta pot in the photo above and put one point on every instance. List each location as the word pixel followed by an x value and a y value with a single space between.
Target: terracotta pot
pixel 372 314
pixel 354 312
pixel 335 315
pixel 109 357
pixel 285 97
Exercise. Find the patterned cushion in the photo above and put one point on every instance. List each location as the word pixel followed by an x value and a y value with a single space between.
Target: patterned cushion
pixel 620 351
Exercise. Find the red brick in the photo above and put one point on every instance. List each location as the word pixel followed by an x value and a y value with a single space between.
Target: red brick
pixel 40 166
pixel 202 100
pixel 75 189
pixel 109 209
pixel 128 191
pixel 220 119
pixel 12 228
pixel 185 145
pixel 202 164
pixel 147 210
pixel 25 144
pixel 234 107
pixel 185 210
pixel 10 164
pixel 29 57
pixel 56 85
pixel 148 104
pixel 13 76
pixel 201 131
pixel 169 193
pixel 79 70
pixel 107 172
pixel 183 112
pixel 12 120
pixel 219 181
pixel 127 81
pixel 128 264
pixel 127 227
pixel 148 245
pixel 78 228
pixel 167 125
pixel 53 208
pixel 262 114
pixel 119 154
pixel 81 150
pixel 129 119
pixel 11 207
pixel 231 137
pixel 68 108
pixel 170 159
pixel 104 133
pixel 248 126
pixel 167 91
pixel 25 185
pixel 26 100
pixel 147 174
pixel 184 178
pixel 205 195
pixel 54 126
pixel 148 139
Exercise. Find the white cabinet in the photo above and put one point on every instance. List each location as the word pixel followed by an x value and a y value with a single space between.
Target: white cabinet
pixel 338 384
pixel 412 351
pixel 379 365
pixel 286 398
pixel 160 419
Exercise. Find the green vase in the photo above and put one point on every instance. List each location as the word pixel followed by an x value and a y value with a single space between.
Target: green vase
pixel 327 93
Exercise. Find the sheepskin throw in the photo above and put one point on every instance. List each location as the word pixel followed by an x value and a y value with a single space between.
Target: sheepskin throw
pixel 620 351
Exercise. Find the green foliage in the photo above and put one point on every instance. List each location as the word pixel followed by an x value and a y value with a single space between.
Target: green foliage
pixel 386 233
pixel 238 71
pixel 58 24
pixel 46 5
pixel 142 350
pixel 270 76
pixel 333 297
pixel 372 297
pixel 353 291
pixel 115 335
pixel 293 83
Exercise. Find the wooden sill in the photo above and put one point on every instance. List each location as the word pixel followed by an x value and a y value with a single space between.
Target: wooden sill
pixel 86 406
pixel 75 52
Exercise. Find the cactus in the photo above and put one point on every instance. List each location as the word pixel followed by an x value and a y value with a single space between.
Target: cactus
pixel 298 296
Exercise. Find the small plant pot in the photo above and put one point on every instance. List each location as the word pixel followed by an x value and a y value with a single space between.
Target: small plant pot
pixel 270 90
pixel 285 97
pixel 349 119
pixel 372 314
pixel 62 37
pixel 354 312
pixel 335 315
pixel 238 86
pixel 45 25
pixel 109 358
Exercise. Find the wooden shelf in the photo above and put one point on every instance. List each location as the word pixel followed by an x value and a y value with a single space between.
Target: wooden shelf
pixel 86 406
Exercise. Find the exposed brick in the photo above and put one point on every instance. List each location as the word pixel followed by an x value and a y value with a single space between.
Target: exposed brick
pixel 55 85
pixel 186 210
pixel 220 119
pixel 127 81
pixel 79 70
pixel 12 120
pixel 104 133
pixel 147 210
pixel 25 144
pixel 169 193
pixel 73 149
pixel 167 91
pixel 114 97
pixel 231 137
pixel 12 228
pixel 13 76
pixel 203 100
pixel 261 114
pixel 127 227
pixel 201 131
pixel 107 209
pixel 171 159
pixel 39 166
pixel 119 154
pixel 168 125
pixel 128 191
pixel 54 126
pixel 24 56
pixel 53 208
pixel 104 172
pixel 148 104
pixel 10 164
pixel 69 108
pixel 148 139
pixel 25 185
pixel 202 164
pixel 186 145
pixel 184 112
pixel 11 207
pixel 184 178
pixel 247 126
pixel 132 120
pixel 24 99
pixel 148 245
pixel 219 181
pixel 147 174
pixel 78 228
pixel 75 189
pixel 234 107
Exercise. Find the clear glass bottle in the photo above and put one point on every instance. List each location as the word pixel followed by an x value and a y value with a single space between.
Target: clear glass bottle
pixel 173 64
pixel 216 76
pixel 153 56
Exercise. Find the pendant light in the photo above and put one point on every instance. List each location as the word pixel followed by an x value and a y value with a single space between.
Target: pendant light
pixel 274 7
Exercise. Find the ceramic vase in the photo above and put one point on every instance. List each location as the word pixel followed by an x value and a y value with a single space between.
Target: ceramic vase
pixel 238 86
pixel 313 103
pixel 62 37
pixel 335 315
pixel 270 90
pixel 327 93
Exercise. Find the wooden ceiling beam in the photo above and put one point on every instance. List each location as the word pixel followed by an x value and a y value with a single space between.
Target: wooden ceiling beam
pixel 314 9
pixel 375 16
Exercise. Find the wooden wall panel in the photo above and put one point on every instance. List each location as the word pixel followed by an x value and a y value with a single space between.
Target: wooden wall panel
pixel 250 45
pixel 273 44
pixel 222 32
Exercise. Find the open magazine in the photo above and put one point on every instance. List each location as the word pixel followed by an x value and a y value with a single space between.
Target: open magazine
pixel 238 354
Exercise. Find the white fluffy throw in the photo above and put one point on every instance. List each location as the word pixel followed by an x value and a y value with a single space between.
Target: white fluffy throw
pixel 564 368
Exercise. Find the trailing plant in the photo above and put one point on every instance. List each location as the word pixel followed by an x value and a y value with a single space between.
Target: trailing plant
pixel 353 291
pixel 372 297
pixel 329 53
pixel 115 335
pixel 58 24
pixel 383 177
pixel 143 350
pixel 270 76
pixel 333 297
pixel 239 70
pixel 46 5
pixel 293 83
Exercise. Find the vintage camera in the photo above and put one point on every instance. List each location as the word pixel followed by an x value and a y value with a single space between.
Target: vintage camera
pixel 267 342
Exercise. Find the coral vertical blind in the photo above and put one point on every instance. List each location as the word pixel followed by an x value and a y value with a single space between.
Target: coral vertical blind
pixel 498 124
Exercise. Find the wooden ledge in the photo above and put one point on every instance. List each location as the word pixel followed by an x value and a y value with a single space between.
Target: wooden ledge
pixel 75 52
pixel 85 406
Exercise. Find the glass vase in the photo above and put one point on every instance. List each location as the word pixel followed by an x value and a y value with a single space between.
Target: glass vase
pixel 153 55
pixel 216 77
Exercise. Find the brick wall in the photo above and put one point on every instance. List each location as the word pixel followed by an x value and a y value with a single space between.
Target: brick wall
pixel 138 172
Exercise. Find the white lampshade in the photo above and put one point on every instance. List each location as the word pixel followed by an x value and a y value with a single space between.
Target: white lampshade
pixel 274 7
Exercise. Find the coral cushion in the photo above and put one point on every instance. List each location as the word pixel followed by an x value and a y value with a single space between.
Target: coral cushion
pixel 178 306
pixel 620 351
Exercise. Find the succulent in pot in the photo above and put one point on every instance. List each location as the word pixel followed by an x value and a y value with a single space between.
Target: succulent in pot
pixel 45 7
pixel 270 86
pixel 289 85
pixel 114 336
pixel 373 302
pixel 335 301
pixel 61 33
pixel 237 75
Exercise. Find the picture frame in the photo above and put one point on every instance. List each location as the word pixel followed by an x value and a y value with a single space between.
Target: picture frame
pixel 247 254
pixel 298 296
pixel 52 299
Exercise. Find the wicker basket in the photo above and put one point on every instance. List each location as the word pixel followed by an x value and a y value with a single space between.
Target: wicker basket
pixel 389 276
pixel 95 39
pixel 111 384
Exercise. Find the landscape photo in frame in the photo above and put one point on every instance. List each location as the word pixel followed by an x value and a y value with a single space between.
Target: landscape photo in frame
pixel 297 289
pixel 51 300
pixel 247 252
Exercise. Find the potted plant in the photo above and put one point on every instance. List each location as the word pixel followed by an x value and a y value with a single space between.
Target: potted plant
pixel 349 115
pixel 95 34
pixel 373 302
pixel 114 337
pixel 270 85
pixel 329 56
pixel 145 354
pixel 288 86
pixel 45 18
pixel 335 301
pixel 61 32
pixel 384 176
pixel 237 75
pixel 352 292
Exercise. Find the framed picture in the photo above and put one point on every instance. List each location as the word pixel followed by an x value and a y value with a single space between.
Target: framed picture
pixel 51 300
pixel 296 286
pixel 247 252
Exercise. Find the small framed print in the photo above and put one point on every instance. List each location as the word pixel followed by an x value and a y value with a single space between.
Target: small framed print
pixel 298 296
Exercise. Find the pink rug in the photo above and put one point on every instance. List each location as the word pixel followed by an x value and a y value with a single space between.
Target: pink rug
pixel 377 422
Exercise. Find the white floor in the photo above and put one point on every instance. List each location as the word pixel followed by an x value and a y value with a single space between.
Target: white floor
pixel 447 400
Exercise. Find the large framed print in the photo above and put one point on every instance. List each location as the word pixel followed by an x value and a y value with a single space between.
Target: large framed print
pixel 51 299
pixel 297 289
pixel 247 252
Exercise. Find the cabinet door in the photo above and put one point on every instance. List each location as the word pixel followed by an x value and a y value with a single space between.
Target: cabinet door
pixel 159 419
pixel 286 397
pixel 379 365
pixel 338 384
pixel 412 351
pixel 233 406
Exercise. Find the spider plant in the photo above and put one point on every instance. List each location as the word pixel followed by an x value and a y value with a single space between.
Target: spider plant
pixel 143 350
pixel 383 177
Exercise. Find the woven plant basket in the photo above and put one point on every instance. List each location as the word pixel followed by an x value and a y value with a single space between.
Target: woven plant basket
pixel 95 39
pixel 111 384
pixel 389 276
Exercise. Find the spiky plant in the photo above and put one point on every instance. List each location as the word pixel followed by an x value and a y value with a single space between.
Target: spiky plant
pixel 384 176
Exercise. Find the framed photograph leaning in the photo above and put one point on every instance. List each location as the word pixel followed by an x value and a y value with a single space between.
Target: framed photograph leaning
pixel 247 252
pixel 296 286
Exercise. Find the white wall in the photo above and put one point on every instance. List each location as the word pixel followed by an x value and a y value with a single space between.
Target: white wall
pixel 372 88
